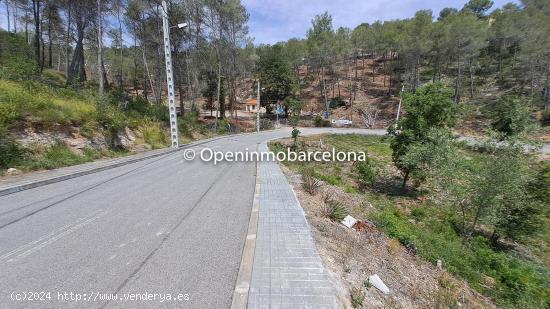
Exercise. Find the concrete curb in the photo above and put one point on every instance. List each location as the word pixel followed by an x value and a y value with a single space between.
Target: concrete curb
pixel 34 184
pixel 26 185
pixel 244 277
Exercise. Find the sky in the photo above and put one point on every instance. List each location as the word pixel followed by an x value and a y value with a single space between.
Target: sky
pixel 273 21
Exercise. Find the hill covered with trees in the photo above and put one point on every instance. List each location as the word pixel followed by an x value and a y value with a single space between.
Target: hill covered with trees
pixel 483 55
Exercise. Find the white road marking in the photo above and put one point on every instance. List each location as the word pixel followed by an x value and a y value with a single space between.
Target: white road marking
pixel 46 236
pixel 50 238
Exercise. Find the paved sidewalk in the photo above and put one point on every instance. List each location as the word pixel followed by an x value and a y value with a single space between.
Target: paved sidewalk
pixel 287 270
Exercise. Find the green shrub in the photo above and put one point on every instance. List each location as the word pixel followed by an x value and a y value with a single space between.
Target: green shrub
pixel 190 123
pixel 337 102
pixel 266 124
pixel 8 113
pixel 366 173
pixel 517 283
pixel 223 126
pixel 10 152
pixel 396 226
pixel 293 120
pixel 318 121
pixel 334 210
pixel 310 183
pixel 154 135
pixel 511 116
pixel 295 133
pixel 57 156
pixel 16 58
pixel 419 213
pixel 357 298
pixel 110 117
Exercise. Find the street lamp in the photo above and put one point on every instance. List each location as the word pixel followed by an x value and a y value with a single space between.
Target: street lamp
pixel 258 109
pixel 258 106
pixel 170 75
pixel 399 106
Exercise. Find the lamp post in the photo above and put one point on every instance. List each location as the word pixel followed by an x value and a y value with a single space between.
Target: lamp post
pixel 258 109
pixel 399 106
pixel 170 75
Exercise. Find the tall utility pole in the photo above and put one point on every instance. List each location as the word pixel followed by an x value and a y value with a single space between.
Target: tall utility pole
pixel 258 110
pixel 170 77
pixel 399 106
pixel 8 15
pixel 219 93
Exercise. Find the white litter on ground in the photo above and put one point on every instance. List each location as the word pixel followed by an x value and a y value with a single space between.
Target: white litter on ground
pixel 349 221
pixel 379 284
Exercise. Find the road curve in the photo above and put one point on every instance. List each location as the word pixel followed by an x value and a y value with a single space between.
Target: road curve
pixel 160 226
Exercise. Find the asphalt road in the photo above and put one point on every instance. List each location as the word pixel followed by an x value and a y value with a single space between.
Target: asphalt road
pixel 159 226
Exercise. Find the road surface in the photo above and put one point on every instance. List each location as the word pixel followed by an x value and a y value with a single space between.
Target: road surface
pixel 156 227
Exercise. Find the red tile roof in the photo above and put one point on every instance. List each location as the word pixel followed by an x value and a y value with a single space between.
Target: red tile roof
pixel 250 102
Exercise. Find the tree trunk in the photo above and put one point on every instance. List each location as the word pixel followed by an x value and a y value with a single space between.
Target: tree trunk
pixel 182 103
pixel 8 15
pixel 145 88
pixel 68 39
pixel 27 39
pixel 59 58
pixel 457 82
pixel 355 66
pixel 476 219
pixel 77 71
pixel 219 92
pixel 436 67
pixel 325 91
pixel 547 85
pixel 100 71
pixel 135 81
pixel 121 76
pixel 470 63
pixel 373 62
pixel 532 74
pixel 384 67
pixel 43 49
pixel 36 13
pixel 148 77
pixel 391 71
pixel 15 15
pixel 405 179
pixel 50 44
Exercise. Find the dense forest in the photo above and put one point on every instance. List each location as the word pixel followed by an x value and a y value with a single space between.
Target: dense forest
pixel 475 49
pixel 64 36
